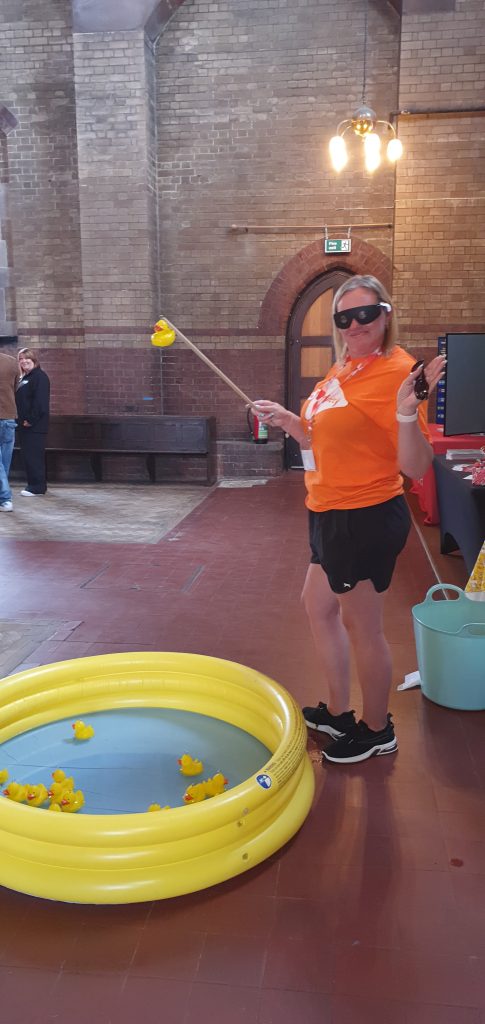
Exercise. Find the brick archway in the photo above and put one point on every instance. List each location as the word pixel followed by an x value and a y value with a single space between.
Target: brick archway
pixel 308 264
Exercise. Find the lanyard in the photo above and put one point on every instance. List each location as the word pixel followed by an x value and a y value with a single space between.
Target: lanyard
pixel 342 377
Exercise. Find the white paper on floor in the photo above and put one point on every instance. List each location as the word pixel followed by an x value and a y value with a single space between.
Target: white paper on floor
pixel 412 679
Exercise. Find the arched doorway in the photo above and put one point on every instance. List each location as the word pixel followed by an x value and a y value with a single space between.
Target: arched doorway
pixel 300 285
pixel 309 346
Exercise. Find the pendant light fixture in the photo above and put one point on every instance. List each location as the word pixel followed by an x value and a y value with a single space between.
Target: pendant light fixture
pixel 367 126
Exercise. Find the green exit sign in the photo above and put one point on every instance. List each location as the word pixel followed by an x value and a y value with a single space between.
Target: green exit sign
pixel 338 245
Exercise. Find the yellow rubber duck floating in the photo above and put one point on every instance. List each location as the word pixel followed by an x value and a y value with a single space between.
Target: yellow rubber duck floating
pixel 61 785
pixel 72 801
pixel 82 731
pixel 190 765
pixel 163 335
pixel 195 793
pixel 16 791
pixel 216 784
pixel 3 775
pixel 202 790
pixel 37 795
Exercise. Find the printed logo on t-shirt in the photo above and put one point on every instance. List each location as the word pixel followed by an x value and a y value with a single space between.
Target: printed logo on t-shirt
pixel 328 396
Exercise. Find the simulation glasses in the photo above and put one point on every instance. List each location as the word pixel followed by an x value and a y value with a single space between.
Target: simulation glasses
pixel 361 314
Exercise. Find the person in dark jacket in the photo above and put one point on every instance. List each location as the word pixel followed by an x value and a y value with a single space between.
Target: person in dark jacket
pixel 32 398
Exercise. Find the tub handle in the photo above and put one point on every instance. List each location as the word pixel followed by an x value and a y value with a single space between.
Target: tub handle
pixel 473 629
pixel 443 587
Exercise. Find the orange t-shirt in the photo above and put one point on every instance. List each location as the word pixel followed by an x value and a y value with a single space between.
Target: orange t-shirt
pixel 354 433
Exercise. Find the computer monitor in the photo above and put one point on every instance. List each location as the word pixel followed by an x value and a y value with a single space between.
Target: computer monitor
pixel 464 411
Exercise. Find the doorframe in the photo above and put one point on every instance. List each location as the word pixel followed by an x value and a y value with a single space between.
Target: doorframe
pixel 306 266
pixel 294 344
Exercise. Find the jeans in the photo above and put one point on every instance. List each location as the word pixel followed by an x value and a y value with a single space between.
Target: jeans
pixel 7 438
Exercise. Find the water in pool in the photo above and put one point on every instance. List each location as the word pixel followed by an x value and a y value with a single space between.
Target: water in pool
pixel 131 761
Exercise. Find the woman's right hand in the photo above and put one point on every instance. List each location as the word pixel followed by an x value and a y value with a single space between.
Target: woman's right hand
pixel 272 413
pixel 275 415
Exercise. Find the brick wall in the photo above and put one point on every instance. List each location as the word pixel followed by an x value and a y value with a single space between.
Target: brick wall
pixel 439 251
pixel 191 389
pixel 37 85
pixel 151 175
pixel 66 371
pixel 7 298
pixel 122 381
pixel 111 110
pixel 248 98
pixel 133 159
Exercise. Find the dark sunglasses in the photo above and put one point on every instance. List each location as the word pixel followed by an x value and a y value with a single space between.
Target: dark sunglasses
pixel 361 314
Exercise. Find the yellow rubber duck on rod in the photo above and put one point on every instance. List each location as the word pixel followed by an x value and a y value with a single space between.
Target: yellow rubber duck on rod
pixel 165 333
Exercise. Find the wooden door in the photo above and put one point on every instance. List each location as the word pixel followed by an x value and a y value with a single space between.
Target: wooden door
pixel 310 347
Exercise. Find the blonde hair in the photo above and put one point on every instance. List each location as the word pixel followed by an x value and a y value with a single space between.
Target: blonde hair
pixel 364 281
pixel 29 353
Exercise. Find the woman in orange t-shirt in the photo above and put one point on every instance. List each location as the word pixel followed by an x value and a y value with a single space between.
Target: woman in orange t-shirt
pixel 361 427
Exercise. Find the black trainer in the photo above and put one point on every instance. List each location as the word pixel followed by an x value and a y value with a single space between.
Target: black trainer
pixel 361 743
pixel 335 725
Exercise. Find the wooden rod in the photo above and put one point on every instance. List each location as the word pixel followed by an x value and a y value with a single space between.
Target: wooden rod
pixel 209 363
pixel 289 228
pixel 446 112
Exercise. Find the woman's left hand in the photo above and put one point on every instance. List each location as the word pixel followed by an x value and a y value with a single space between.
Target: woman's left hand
pixel 407 403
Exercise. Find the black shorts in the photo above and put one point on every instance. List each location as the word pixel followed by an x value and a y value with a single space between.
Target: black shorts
pixel 360 543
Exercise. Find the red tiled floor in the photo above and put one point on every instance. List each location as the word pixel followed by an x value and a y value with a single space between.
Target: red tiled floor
pixel 300 965
pixel 373 912
pixel 164 953
pixel 253 912
pixel 283 1006
pixel 26 995
pixel 230 1004
pixel 454 980
pixel 375 1011
pixel 233 959
pixel 78 998
pixel 150 1001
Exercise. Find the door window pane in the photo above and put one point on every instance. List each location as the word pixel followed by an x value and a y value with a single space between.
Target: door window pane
pixel 318 319
pixel 315 361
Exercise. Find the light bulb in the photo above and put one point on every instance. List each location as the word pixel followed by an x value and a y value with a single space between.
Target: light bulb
pixel 372 150
pixel 338 152
pixel 394 150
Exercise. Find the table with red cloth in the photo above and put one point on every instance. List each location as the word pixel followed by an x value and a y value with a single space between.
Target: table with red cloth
pixel 425 489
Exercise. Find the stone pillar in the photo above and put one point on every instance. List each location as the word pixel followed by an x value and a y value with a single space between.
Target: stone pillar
pixel 116 128
pixel 36 84
pixel 8 327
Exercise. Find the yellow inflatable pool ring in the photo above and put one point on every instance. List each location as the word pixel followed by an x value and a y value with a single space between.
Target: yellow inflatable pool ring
pixel 129 858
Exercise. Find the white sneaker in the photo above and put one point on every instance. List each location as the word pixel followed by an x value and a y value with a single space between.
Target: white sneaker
pixel 28 494
pixel 6 506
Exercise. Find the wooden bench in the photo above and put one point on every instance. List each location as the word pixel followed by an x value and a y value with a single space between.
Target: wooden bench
pixel 150 436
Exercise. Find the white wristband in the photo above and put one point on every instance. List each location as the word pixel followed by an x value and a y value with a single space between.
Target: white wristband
pixel 401 418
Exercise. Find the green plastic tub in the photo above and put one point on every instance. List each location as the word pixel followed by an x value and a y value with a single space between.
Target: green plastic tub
pixel 450 643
